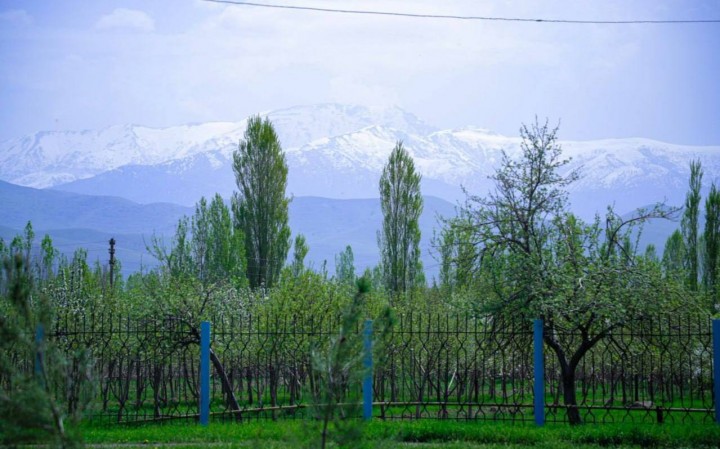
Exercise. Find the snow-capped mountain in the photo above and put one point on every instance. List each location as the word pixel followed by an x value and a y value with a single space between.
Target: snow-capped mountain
pixel 48 159
pixel 336 151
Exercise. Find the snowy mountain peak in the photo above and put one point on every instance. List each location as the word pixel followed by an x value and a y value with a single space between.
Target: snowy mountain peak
pixel 338 151
pixel 47 159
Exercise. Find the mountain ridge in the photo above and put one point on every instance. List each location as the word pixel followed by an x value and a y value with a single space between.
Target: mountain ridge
pixel 84 221
pixel 338 151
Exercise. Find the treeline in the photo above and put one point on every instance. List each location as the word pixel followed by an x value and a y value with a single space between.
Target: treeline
pixel 517 253
pixel 692 254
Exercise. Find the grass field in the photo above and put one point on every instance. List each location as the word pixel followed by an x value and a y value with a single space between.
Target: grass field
pixel 410 434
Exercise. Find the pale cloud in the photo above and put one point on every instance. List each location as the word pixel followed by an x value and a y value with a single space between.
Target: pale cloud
pixel 16 16
pixel 268 58
pixel 356 91
pixel 210 61
pixel 126 18
pixel 208 6
pixel 266 39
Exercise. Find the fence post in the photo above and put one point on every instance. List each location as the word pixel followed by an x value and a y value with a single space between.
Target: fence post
pixel 368 381
pixel 39 337
pixel 204 373
pixel 539 367
pixel 716 366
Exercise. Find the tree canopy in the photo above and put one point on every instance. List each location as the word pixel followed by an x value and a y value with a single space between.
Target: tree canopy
pixel 399 238
pixel 537 260
pixel 260 205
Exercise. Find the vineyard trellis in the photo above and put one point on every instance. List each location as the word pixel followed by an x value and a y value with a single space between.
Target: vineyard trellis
pixel 433 366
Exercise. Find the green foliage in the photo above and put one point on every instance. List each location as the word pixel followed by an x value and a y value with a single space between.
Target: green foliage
pixel 260 206
pixel 76 288
pixel 31 409
pixel 337 367
pixel 399 238
pixel 375 274
pixel 345 267
pixel 674 257
pixel 49 256
pixel 71 285
pixel 651 253
pixel 538 260
pixel 202 276
pixel 206 247
pixel 515 223
pixel 218 245
pixel 303 297
pixel 364 285
pixel 459 256
pixel 300 250
pixel 712 244
pixel 689 225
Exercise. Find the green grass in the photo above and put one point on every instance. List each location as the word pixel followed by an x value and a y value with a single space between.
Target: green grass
pixel 407 434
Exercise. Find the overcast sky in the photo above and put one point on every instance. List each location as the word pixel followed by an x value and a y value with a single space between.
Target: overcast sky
pixel 89 64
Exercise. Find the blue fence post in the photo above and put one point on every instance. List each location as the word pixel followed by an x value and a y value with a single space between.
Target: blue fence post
pixel 39 337
pixel 716 366
pixel 539 387
pixel 368 381
pixel 204 373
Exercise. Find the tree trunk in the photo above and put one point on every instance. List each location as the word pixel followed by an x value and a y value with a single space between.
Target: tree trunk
pixel 567 377
pixel 226 386
pixel 569 394
pixel 568 368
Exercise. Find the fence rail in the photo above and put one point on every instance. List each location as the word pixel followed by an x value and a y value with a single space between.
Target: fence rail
pixel 429 367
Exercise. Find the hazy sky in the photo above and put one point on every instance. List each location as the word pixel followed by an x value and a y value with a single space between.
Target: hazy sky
pixel 89 64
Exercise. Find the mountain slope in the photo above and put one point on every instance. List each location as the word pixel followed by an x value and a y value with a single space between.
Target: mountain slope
pixel 50 158
pixel 74 221
pixel 338 151
pixel 331 224
pixel 82 221
pixel 62 210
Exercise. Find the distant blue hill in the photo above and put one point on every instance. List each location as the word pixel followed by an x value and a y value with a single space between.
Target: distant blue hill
pixel 329 225
pixel 52 209
pixel 84 221
pixel 75 220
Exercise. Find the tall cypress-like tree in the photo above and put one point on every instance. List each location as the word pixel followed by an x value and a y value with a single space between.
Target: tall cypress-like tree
pixel 260 206
pixel 712 242
pixel 673 261
pixel 345 267
pixel 224 244
pixel 300 250
pixel 689 225
pixel 458 255
pixel 399 239
pixel 206 246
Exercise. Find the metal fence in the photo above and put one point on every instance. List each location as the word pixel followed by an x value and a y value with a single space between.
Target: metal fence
pixel 648 371
pixel 428 367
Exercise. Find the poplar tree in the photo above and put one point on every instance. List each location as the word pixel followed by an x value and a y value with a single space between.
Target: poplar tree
pixel 399 239
pixel 345 267
pixel 458 255
pixel 221 243
pixel 260 206
pixel 674 257
pixel 300 250
pixel 712 242
pixel 689 225
pixel 206 246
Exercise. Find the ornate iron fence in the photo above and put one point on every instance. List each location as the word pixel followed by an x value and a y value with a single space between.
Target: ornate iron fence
pixel 648 371
pixel 430 366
